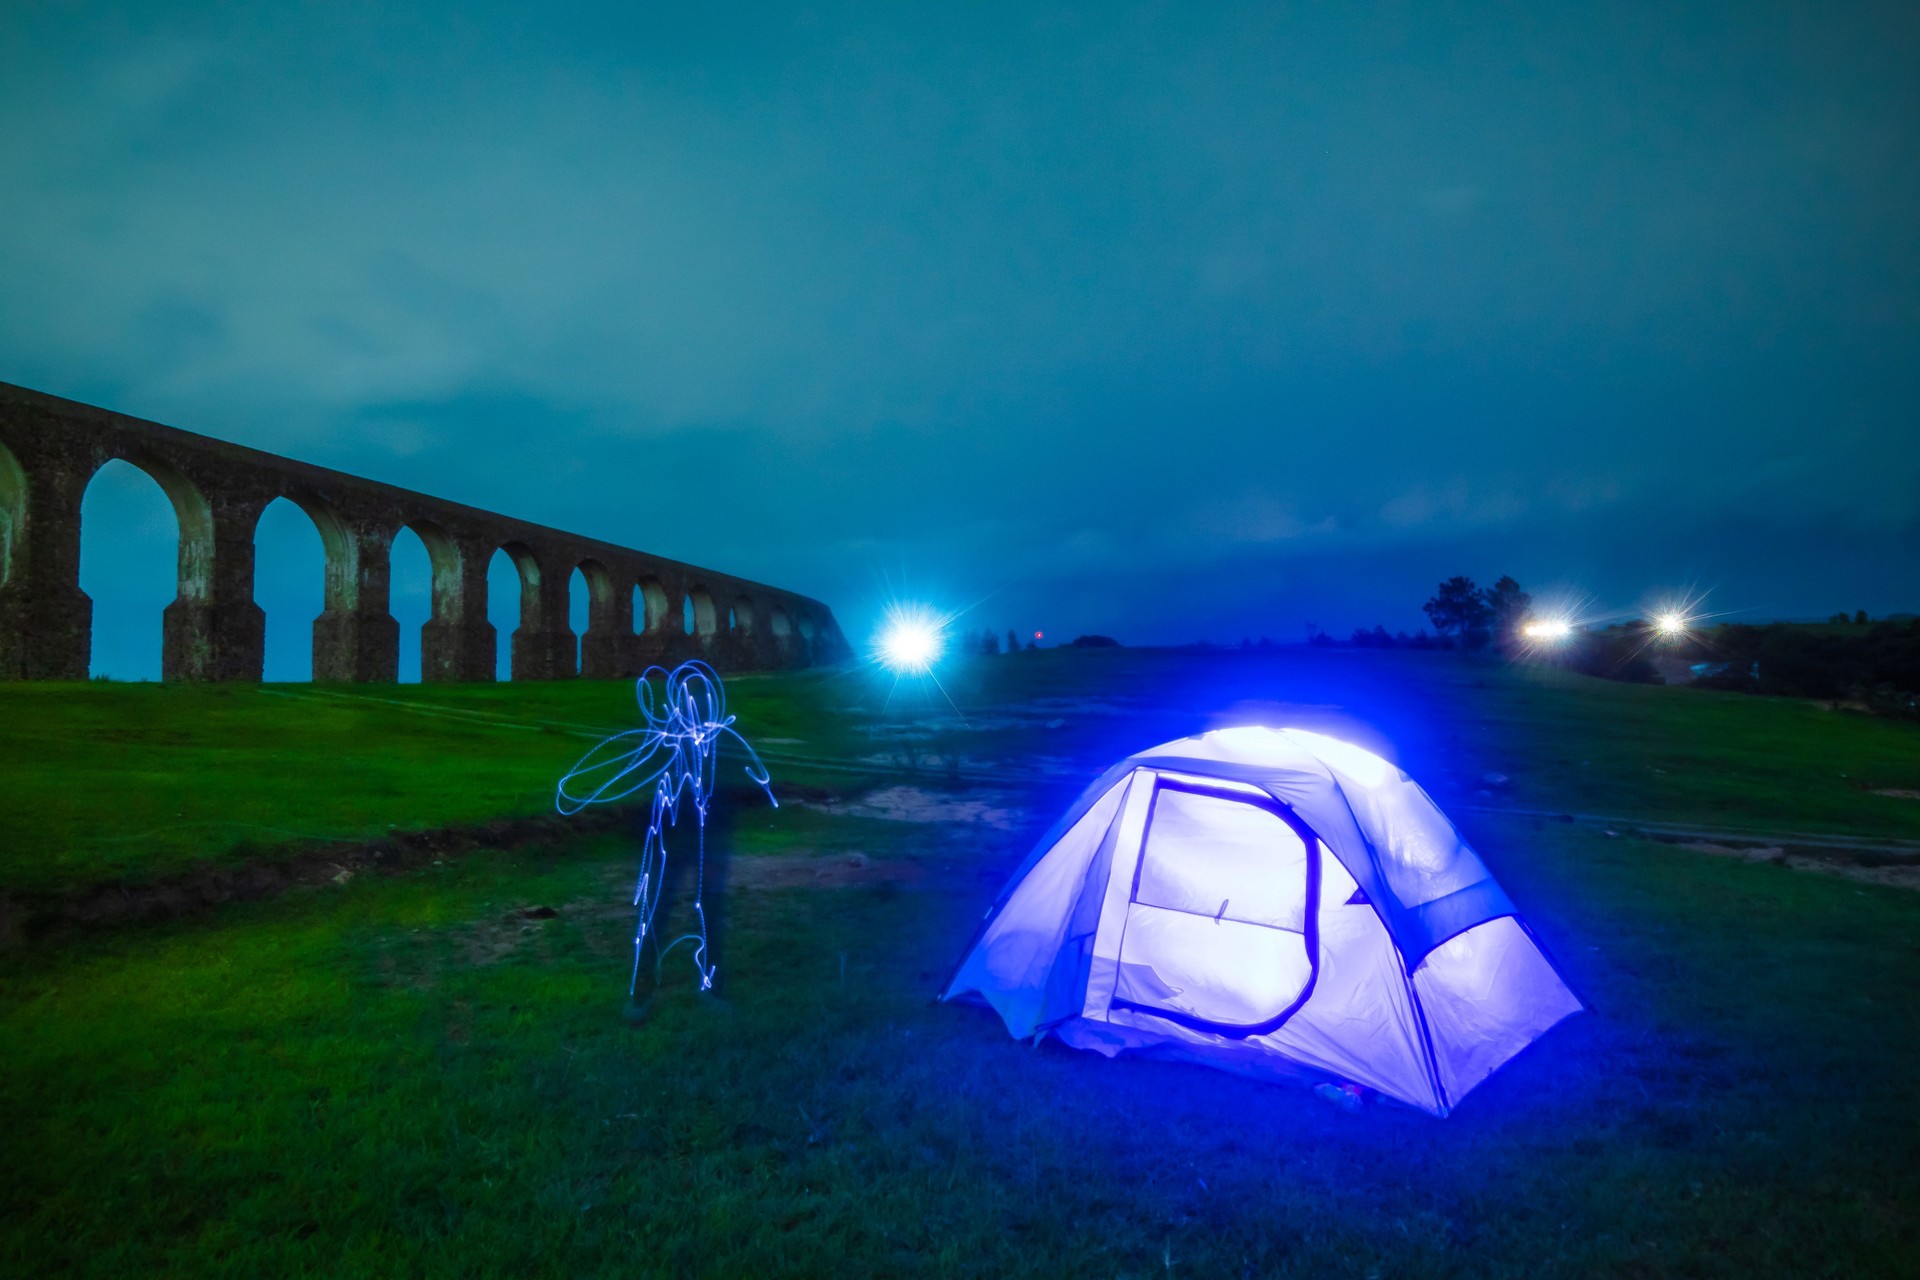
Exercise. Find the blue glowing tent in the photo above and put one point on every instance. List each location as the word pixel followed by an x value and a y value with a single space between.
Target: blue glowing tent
pixel 1273 902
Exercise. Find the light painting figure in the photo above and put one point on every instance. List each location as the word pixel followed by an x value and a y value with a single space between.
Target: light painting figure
pixel 677 753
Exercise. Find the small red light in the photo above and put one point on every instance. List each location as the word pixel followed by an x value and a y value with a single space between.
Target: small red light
pixel 1038 635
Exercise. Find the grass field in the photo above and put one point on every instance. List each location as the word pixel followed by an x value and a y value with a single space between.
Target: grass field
pixel 430 1073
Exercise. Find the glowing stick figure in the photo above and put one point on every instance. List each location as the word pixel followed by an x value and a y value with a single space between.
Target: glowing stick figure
pixel 676 753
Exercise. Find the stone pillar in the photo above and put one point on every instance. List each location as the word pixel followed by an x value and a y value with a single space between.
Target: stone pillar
pixel 213 629
pixel 760 652
pixel 357 639
pixel 675 645
pixel 733 639
pixel 543 644
pixel 46 620
pixel 606 651
pixel 458 643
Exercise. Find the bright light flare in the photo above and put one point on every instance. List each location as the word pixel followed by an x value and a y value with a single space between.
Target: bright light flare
pixel 1547 630
pixel 911 640
pixel 1671 624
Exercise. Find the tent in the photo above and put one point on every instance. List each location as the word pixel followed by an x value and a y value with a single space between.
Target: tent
pixel 1273 902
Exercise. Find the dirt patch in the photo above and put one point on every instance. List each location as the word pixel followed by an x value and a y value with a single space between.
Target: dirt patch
pixel 1896 874
pixel 918 804
pixel 31 917
pixel 1759 853
pixel 804 871
pixel 28 918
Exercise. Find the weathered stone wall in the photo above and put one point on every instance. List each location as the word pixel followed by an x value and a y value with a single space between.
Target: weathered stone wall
pixel 50 448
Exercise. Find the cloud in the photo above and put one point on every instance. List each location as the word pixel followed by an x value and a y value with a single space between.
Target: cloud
pixel 1456 501
pixel 1006 300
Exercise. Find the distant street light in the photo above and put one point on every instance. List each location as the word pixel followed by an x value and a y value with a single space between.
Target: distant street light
pixel 1547 630
pixel 911 640
pixel 1671 625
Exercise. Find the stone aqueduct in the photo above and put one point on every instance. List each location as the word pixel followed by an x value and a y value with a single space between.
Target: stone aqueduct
pixel 50 449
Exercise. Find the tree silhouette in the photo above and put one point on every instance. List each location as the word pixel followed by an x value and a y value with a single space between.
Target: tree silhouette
pixel 1509 606
pixel 1458 609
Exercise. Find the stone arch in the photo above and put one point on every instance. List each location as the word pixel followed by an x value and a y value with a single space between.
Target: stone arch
pixel 216 493
pixel 126 568
pixel 528 643
pixel 426 638
pixel 650 606
pixel 527 566
pixel 700 613
pixel 184 649
pixel 190 508
pixel 600 613
pixel 297 559
pixel 342 584
pixel 808 633
pixel 504 588
pixel 13 509
pixel 780 629
pixel 443 553
pixel 355 637
pixel 599 593
pixel 740 618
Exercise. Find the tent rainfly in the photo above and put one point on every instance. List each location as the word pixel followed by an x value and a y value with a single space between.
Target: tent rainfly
pixel 1273 902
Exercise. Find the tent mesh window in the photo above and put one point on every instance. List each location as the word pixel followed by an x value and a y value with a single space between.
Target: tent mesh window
pixel 1219 935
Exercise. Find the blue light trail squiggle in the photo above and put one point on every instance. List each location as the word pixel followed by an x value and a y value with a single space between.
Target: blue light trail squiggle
pixel 677 753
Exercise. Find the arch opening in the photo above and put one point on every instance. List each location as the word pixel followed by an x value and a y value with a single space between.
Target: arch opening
pixel 780 625
pixel 424 588
pixel 131 562
pixel 411 598
pixel 579 613
pixel 589 608
pixel 296 572
pixel 740 617
pixel 513 600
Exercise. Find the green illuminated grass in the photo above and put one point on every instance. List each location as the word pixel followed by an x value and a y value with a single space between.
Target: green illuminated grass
pixel 113 780
pixel 407 1076
pixel 138 780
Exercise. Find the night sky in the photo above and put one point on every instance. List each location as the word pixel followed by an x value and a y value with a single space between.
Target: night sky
pixel 1162 321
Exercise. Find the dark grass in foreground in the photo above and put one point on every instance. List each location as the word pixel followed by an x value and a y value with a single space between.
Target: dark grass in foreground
pixel 411 1076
